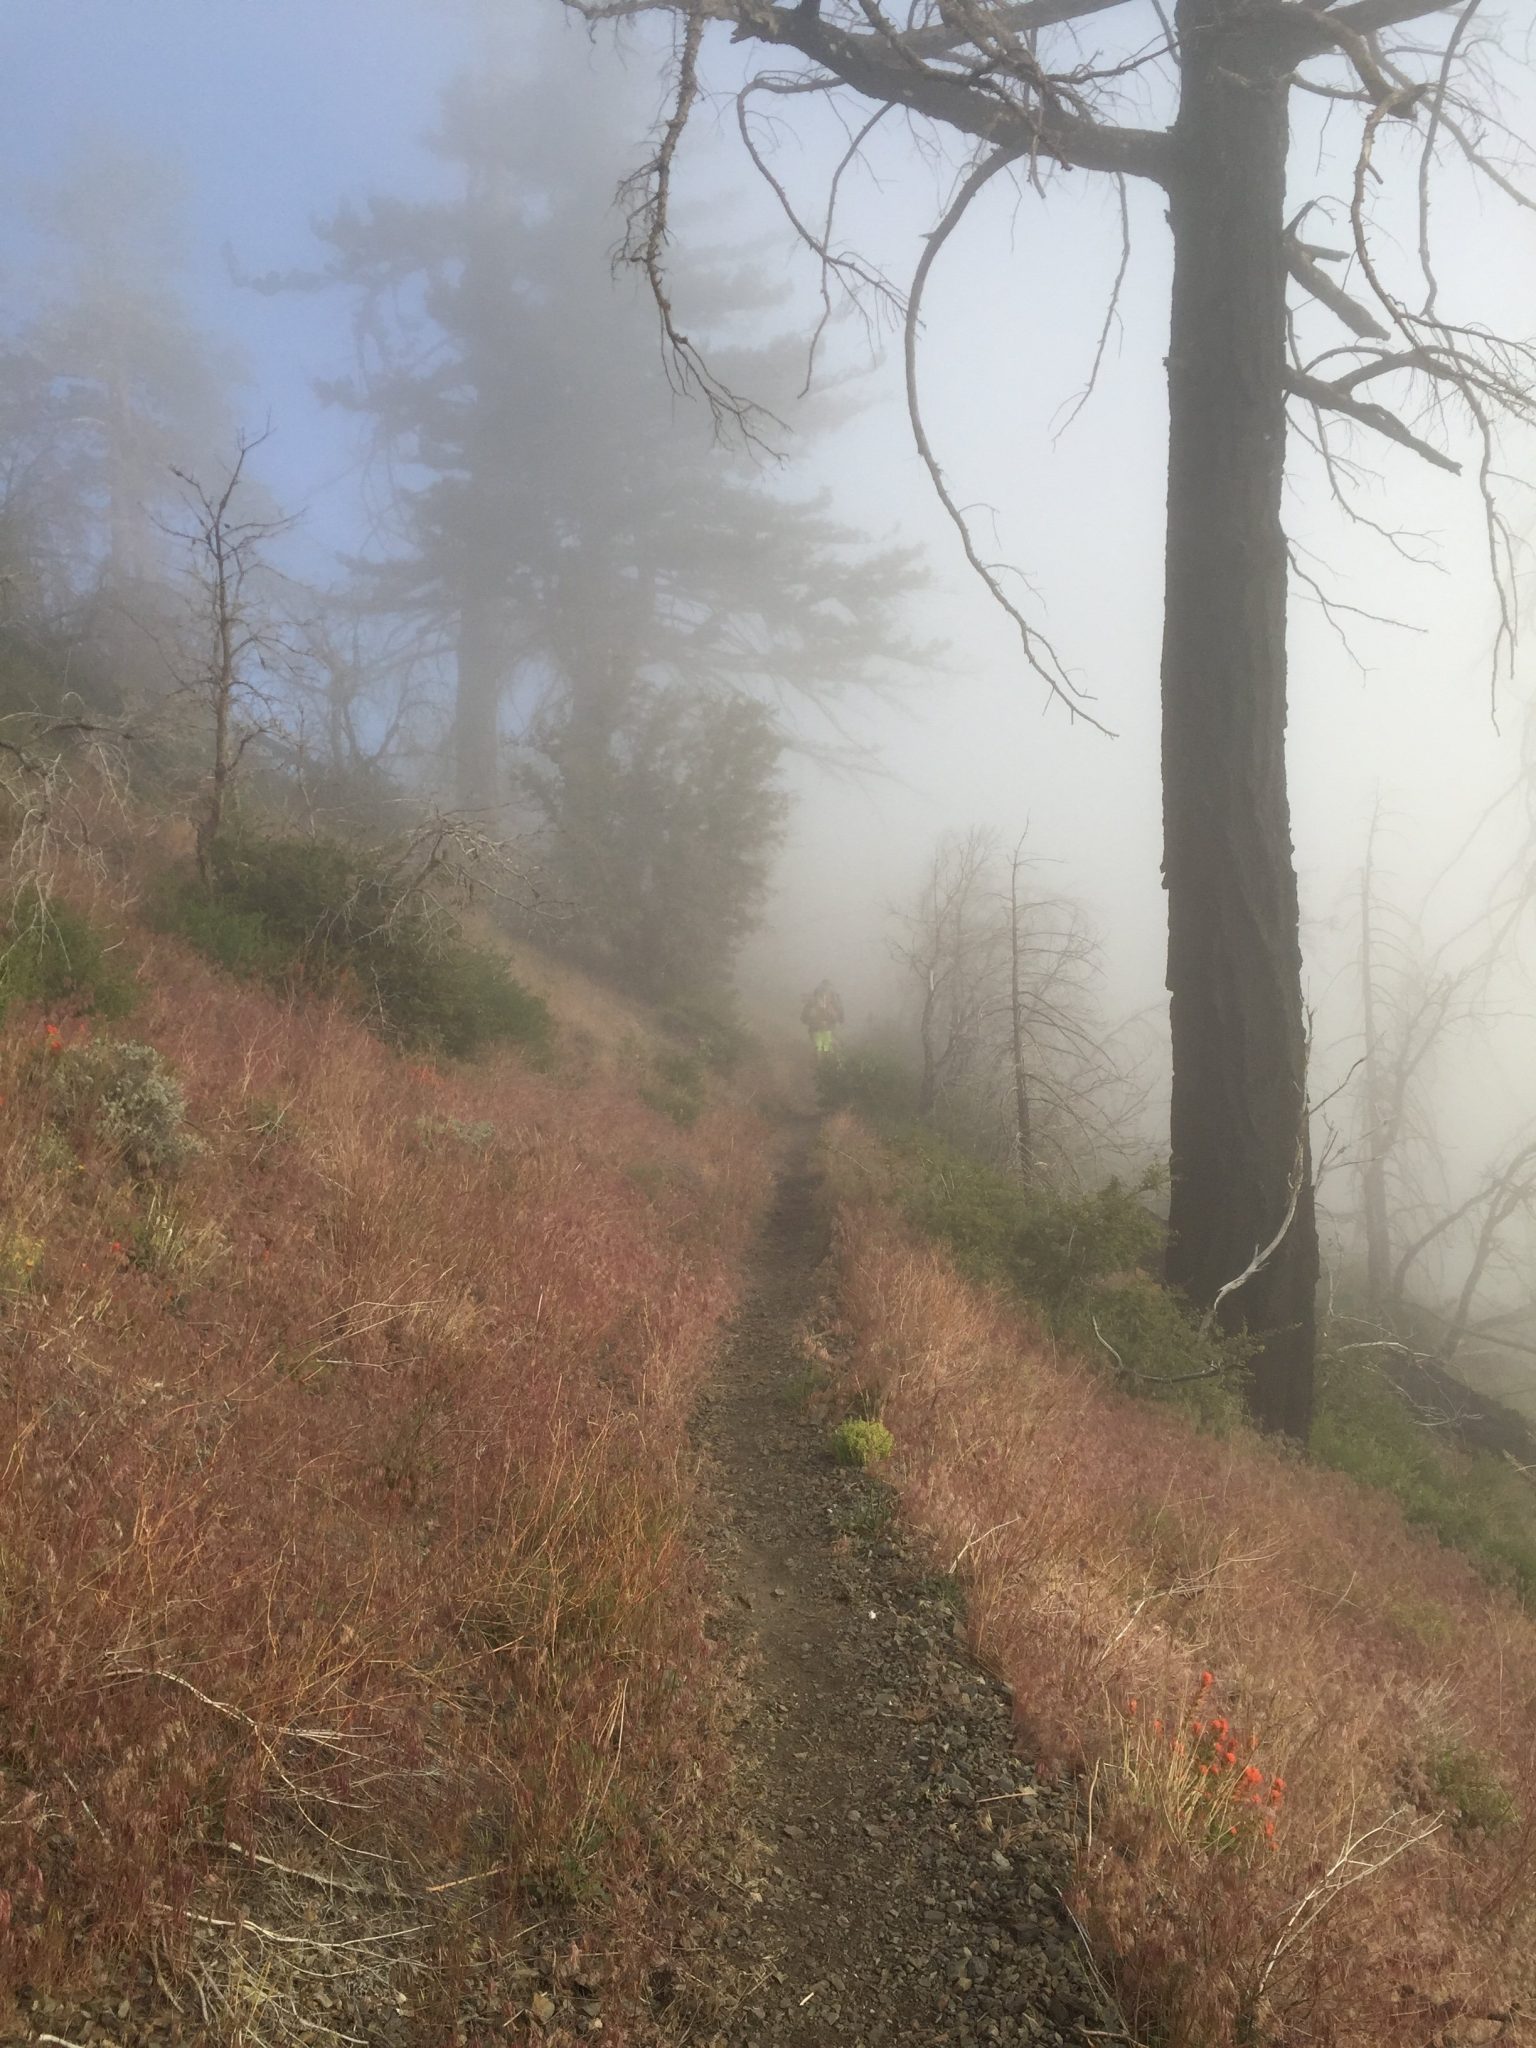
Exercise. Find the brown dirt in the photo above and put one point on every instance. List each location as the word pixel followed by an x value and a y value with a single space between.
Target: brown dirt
pixel 898 1873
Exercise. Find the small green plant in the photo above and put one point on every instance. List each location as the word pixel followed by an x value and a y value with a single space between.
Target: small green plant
pixel 475 1135
pixel 129 1096
pixel 269 1118
pixel 861 1443
pixel 20 1257
pixel 55 1154
pixel 163 1242
pixel 1424 1622
pixel 1466 1781
pixel 801 1389
pixel 943 1589
pixel 49 953
pixel 868 1512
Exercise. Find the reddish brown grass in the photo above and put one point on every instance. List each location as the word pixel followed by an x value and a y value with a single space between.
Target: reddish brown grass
pixel 351 1515
pixel 1112 1555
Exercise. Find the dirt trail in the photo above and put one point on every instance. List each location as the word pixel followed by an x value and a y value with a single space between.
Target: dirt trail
pixel 898 1876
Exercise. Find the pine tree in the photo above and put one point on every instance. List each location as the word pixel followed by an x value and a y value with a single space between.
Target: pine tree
pixel 573 538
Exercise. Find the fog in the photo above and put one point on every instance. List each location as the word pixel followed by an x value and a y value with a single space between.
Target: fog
pixel 184 161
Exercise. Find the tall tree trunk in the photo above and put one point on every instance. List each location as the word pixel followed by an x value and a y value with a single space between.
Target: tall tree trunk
pixel 477 707
pixel 1238 1129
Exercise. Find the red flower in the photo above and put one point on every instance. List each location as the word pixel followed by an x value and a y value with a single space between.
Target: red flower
pixel 1207 1678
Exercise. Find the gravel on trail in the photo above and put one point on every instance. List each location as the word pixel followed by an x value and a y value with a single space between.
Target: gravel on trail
pixel 899 1869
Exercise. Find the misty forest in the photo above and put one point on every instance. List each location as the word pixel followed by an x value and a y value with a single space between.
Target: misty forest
pixel 768 1024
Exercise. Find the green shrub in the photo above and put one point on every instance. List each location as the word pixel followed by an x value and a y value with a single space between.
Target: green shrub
pixel 51 954
pixel 239 941
pixel 1468 1784
pixel 718 1039
pixel 130 1098
pixel 1158 1348
pixel 21 1254
pixel 875 1085
pixel 861 1443
pixel 678 1090
pixel 335 918
pixel 1079 1260
pixel 1472 1500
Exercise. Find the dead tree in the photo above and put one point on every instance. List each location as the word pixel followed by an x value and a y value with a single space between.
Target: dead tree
pixel 1018 1025
pixel 1031 99
pixel 230 681
pixel 1410 1004
pixel 1014 1053
pixel 941 944
pixel 1069 1084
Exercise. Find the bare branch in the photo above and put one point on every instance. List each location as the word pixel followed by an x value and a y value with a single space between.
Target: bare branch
pixel 1038 651
pixel 1312 277
pixel 1334 398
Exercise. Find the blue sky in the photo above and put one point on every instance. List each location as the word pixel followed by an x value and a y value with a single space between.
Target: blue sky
pixel 276 110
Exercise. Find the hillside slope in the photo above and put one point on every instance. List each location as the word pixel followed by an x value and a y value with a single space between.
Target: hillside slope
pixel 350 1619
pixel 1303 1733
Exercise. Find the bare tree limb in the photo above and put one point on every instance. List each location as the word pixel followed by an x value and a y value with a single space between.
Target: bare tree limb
pixel 1334 398
pixel 1038 651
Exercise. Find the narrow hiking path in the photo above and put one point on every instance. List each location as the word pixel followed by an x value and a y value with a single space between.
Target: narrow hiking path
pixel 899 1871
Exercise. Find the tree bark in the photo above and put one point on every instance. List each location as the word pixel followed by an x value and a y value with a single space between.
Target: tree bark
pixel 1238 1124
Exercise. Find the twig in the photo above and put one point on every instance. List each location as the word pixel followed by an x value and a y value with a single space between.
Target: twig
pixel 971 1541
pixel 306 1940
pixel 315 1877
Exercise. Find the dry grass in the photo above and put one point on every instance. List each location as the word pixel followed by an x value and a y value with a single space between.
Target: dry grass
pixel 345 1495
pixel 1112 1556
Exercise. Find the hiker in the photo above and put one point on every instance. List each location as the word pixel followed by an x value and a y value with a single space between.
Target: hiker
pixel 821 1016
